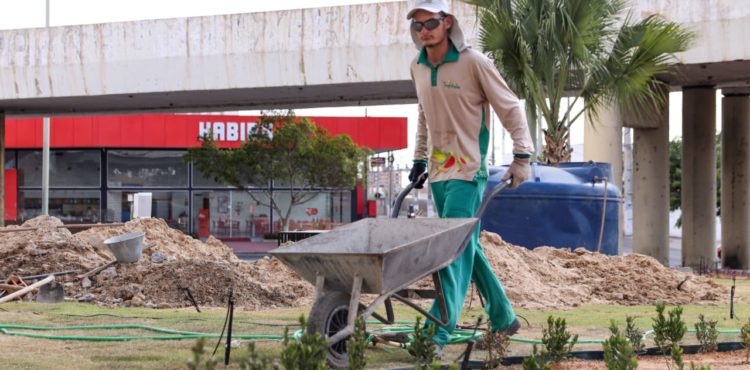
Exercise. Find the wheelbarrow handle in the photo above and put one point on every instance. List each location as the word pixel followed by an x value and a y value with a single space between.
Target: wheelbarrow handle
pixel 502 185
pixel 404 193
pixel 480 212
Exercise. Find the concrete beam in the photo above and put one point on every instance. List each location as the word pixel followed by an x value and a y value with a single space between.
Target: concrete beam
pixel 698 177
pixel 735 182
pixel 651 190
pixel 348 55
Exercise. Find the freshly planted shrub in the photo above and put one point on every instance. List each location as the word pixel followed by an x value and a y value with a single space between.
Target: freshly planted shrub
pixel 557 340
pixel 309 353
pixel 634 335
pixel 707 334
pixel 618 353
pixel 422 347
pixel 745 339
pixel 198 362
pixel 356 346
pixel 537 361
pixel 668 332
pixel 496 343
pixel 253 361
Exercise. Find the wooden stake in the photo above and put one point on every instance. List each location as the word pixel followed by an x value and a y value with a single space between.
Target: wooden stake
pixel 29 288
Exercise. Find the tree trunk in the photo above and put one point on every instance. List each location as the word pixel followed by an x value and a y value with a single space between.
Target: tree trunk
pixel 556 148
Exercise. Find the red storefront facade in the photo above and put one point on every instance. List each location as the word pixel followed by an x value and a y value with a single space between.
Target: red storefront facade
pixel 98 162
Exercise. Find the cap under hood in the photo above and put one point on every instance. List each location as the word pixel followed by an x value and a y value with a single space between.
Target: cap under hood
pixel 436 6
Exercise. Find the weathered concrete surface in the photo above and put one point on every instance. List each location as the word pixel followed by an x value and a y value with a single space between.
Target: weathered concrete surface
pixel 735 184
pixel 314 57
pixel 602 142
pixel 698 177
pixel 651 190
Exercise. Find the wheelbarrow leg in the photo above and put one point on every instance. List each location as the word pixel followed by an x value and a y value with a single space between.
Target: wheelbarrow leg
pixel 439 298
pixel 352 315
pixel 319 282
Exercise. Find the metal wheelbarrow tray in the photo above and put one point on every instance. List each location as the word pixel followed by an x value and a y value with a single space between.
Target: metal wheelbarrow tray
pixel 375 256
pixel 389 254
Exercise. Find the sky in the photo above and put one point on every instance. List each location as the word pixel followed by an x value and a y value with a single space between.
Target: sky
pixel 31 13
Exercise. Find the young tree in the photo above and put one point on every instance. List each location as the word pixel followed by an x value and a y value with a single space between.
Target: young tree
pixel 582 49
pixel 287 150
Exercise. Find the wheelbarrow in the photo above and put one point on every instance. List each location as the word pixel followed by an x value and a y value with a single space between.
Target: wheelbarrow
pixel 376 256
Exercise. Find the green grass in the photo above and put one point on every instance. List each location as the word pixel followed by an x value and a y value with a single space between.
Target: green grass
pixel 589 321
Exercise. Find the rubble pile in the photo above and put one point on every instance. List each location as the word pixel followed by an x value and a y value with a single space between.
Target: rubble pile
pixel 171 260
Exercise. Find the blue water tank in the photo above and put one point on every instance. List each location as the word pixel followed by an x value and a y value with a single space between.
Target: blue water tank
pixel 557 207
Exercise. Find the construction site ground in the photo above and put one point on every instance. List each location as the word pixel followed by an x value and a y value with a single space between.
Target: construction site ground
pixel 589 321
pixel 587 289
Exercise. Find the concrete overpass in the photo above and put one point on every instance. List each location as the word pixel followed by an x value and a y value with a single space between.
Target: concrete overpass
pixel 359 55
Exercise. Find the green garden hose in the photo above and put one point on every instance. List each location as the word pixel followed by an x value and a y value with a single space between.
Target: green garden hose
pixel 458 337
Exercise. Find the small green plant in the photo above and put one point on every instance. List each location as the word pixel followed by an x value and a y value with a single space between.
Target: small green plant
pixel 668 332
pixel 537 361
pixel 356 346
pixel 309 353
pixel 618 352
pixel 707 334
pixel 496 343
pixel 634 335
pixel 557 340
pixel 422 347
pixel 198 362
pixel 253 361
pixel 745 339
pixel 676 352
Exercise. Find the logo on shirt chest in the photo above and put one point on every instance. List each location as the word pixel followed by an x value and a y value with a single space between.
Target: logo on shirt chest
pixel 450 84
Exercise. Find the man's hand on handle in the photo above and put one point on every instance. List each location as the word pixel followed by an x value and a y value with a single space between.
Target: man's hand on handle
pixel 519 171
pixel 417 169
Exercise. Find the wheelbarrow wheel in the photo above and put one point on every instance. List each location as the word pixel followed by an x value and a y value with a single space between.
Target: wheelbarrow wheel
pixel 328 316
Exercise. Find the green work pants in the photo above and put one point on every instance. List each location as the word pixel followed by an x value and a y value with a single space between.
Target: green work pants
pixel 461 199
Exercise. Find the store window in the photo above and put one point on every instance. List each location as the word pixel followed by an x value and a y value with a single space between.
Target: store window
pixel 70 206
pixel 10 159
pixel 146 168
pixel 171 206
pixel 314 214
pixel 67 168
pixel 342 206
pixel 202 181
pixel 231 214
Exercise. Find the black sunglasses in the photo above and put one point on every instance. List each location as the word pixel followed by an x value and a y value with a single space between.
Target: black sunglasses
pixel 429 24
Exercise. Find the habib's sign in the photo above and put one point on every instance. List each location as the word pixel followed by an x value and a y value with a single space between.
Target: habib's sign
pixel 227 131
pixel 179 131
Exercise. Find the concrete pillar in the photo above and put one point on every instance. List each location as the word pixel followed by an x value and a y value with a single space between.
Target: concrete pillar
pixel 651 190
pixel 735 181
pixel 602 142
pixel 698 176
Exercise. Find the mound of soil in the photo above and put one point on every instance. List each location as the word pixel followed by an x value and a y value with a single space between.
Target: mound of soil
pixel 171 260
pixel 542 278
pixel 554 277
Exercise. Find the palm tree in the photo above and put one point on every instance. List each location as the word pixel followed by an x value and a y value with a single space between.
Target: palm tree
pixel 580 49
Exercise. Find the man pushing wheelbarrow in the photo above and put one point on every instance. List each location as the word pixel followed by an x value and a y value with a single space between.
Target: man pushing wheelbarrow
pixel 456 85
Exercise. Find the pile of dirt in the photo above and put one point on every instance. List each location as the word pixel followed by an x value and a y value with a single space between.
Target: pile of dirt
pixel 542 278
pixel 553 277
pixel 171 260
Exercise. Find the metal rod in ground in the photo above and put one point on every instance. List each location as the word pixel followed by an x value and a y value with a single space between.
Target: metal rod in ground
pixel 191 298
pixel 731 299
pixel 229 328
